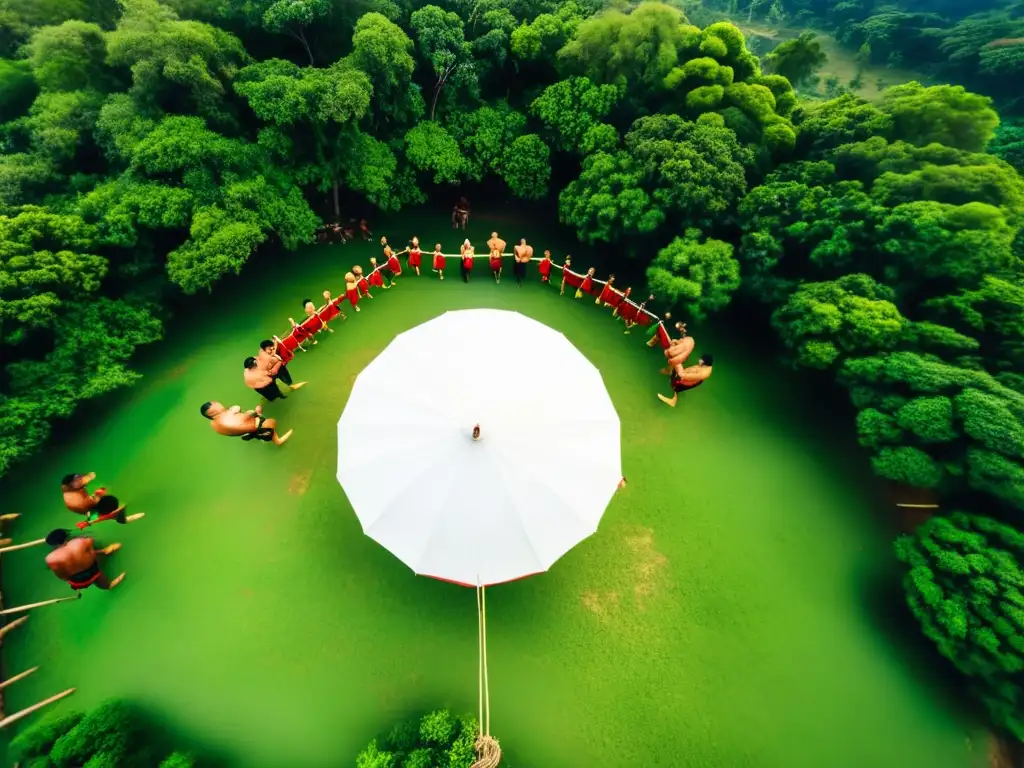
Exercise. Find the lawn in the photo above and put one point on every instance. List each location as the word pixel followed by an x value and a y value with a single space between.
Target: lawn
pixel 723 615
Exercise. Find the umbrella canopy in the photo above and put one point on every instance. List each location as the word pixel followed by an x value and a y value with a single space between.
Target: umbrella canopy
pixel 508 505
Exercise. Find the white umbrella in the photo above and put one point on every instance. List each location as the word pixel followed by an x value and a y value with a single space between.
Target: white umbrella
pixel 499 508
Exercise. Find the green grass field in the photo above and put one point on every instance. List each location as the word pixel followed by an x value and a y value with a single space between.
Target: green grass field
pixel 723 615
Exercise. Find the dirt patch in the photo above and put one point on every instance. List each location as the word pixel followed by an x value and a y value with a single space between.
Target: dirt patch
pixel 299 482
pixel 602 606
pixel 639 572
pixel 648 564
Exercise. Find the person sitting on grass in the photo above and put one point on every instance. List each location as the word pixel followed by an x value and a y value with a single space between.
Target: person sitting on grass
pixel 251 425
pixel 685 379
pixel 74 559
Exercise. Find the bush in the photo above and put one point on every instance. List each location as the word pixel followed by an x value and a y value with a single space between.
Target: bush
pixel 439 739
pixel 114 735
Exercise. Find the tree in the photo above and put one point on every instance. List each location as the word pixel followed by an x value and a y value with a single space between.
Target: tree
pixel 542 38
pixel 822 323
pixel 384 52
pixel 963 585
pixel 174 64
pixel 294 17
pixel 826 125
pixel 526 167
pixel 571 108
pixel 485 136
pixel 797 59
pixel 443 44
pixel 17 88
pixel 608 201
pixel 438 738
pixel 947 114
pixel 327 100
pixel 429 147
pixel 698 276
pixel 69 57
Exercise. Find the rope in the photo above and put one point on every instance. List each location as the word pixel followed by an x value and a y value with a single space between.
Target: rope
pixel 488 751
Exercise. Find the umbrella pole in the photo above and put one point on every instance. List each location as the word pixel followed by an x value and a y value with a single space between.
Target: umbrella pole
pixel 488 751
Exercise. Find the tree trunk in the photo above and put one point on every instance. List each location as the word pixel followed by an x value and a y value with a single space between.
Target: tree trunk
pixel 437 92
pixel 301 37
pixel 337 204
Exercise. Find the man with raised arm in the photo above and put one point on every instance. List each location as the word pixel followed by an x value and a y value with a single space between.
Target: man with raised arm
pixel 250 425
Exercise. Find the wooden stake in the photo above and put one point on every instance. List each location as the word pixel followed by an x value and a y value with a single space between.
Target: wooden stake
pixel 907 506
pixel 31 606
pixel 26 545
pixel 11 516
pixel 5 542
pixel 16 678
pixel 29 710
pixel 16 623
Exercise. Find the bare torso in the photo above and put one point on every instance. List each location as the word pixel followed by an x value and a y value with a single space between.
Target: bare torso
pixel 523 253
pixel 74 557
pixel 233 422
pixel 497 246
pixel 79 501
pixel 269 362
pixel 694 374
pixel 257 378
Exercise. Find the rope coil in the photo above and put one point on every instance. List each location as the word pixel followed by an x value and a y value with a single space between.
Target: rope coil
pixel 488 751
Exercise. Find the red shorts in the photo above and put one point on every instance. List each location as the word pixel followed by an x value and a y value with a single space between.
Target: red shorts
pixel 571 278
pixel 364 286
pixel 375 279
pixel 663 337
pixel 495 263
pixel 353 296
pixel 628 310
pixel 415 258
pixel 587 285
pixel 607 295
pixel 545 270
pixel 395 265
pixel 438 261
pixel 616 299
pixel 467 263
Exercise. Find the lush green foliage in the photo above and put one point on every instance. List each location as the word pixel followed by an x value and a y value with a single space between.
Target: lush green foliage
pixel 964 584
pixel 113 734
pixel 438 738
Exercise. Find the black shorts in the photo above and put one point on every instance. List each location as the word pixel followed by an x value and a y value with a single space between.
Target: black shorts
pixel 271 391
pixel 388 274
pixel 520 269
pixel 106 505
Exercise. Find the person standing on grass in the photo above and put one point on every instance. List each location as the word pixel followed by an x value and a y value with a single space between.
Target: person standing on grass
pixel 74 559
pixel 632 317
pixel 415 255
pixel 438 261
pixel 271 362
pixel 361 282
pixel 523 254
pixel 607 292
pixel 467 260
pixel 587 285
pixel 250 425
pixel 260 381
pixel 388 271
pixel 685 379
pixel 352 290
pixel 496 247
pixel 376 278
pixel 545 268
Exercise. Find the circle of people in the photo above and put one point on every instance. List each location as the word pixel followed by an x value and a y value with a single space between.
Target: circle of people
pixel 75 559
pixel 267 372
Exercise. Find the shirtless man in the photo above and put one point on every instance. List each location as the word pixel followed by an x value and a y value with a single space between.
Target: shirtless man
pixel 268 360
pixel 250 425
pixel 523 253
pixel 78 499
pixel 496 246
pixel 678 351
pixel 76 561
pixel 460 214
pixel 260 380
pixel 685 379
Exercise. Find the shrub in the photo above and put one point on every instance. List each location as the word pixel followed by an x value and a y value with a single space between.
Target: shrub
pixel 439 739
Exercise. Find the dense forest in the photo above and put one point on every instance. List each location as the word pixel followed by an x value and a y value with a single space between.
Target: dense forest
pixel 149 148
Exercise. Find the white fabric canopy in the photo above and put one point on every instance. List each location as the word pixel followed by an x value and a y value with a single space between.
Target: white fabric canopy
pixel 505 506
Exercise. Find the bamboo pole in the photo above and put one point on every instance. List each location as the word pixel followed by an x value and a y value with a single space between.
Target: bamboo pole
pixel 31 606
pixel 16 623
pixel 10 516
pixel 5 542
pixel 26 545
pixel 906 506
pixel 16 678
pixel 29 710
